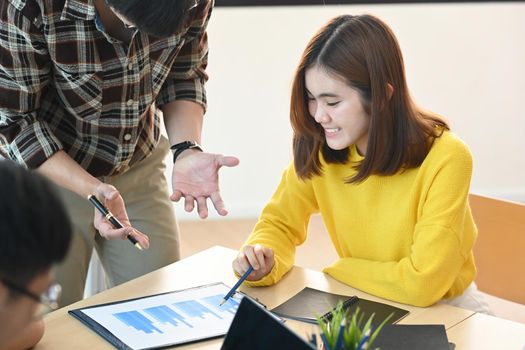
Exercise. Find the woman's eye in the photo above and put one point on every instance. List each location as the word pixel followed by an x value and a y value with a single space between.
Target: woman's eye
pixel 331 104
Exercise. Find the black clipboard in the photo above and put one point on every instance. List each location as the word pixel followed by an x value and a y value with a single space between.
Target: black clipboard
pixel 100 325
pixel 413 337
pixel 309 303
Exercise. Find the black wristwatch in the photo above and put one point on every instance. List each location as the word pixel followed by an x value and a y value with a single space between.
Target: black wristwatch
pixel 182 146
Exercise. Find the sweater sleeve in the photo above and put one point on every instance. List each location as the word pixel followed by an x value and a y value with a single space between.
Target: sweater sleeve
pixel 283 223
pixel 442 239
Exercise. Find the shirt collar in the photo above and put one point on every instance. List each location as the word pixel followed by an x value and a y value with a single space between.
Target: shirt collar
pixel 79 10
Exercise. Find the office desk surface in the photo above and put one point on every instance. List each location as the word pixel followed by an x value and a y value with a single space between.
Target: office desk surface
pixel 214 265
pixel 483 332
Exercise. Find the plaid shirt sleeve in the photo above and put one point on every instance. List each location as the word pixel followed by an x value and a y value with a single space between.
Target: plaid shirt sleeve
pixel 24 76
pixel 188 73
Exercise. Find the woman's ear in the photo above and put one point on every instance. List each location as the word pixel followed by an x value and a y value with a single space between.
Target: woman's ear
pixel 389 90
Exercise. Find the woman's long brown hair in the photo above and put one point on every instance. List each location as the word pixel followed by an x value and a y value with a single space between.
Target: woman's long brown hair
pixel 363 51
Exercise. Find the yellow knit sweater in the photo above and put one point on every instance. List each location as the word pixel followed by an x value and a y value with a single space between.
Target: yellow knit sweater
pixel 406 237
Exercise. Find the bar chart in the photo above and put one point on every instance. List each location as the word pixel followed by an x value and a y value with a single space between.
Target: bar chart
pixel 167 315
pixel 168 319
pixel 138 321
pixel 231 305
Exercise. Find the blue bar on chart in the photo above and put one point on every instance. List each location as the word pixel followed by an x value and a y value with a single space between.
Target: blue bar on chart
pixel 231 305
pixel 195 309
pixel 164 315
pixel 136 320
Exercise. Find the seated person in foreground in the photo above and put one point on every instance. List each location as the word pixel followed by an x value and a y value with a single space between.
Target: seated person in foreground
pixel 389 179
pixel 35 233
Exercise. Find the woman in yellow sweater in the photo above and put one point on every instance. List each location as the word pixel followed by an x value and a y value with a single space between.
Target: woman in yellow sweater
pixel 390 180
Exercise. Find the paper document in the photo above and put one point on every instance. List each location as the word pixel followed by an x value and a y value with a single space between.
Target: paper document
pixel 162 320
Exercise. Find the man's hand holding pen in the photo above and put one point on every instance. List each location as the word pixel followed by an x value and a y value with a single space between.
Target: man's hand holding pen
pixel 113 202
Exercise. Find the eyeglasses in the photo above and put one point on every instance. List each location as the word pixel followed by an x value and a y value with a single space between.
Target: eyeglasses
pixel 195 4
pixel 48 299
pixel 128 26
pixel 132 26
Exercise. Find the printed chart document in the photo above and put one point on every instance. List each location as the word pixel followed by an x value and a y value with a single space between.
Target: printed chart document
pixel 163 320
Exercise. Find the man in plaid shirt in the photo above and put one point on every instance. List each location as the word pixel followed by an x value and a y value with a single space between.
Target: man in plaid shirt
pixel 84 85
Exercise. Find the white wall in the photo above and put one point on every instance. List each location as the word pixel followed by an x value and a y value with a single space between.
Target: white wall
pixel 464 61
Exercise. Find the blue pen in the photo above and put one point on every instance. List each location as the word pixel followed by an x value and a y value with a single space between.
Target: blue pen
pixel 325 342
pixel 364 341
pixel 339 341
pixel 232 291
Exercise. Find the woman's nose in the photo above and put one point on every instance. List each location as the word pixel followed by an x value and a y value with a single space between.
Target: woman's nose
pixel 320 115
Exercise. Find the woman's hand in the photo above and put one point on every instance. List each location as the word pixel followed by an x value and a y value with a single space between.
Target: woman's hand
pixel 259 257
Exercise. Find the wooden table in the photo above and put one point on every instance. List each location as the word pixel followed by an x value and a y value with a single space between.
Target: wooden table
pixel 214 265
pixel 483 332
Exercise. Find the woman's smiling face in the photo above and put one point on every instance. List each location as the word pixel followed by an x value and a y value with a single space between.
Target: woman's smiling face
pixel 338 108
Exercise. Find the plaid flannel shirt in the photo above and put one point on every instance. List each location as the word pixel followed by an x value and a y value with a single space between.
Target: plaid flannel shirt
pixel 65 84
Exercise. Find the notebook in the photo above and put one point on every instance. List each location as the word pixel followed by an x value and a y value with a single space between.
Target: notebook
pixel 255 328
pixel 309 303
pixel 162 320
pixel 413 337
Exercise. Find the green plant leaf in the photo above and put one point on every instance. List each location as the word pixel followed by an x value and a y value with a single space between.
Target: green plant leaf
pixel 378 329
pixel 353 331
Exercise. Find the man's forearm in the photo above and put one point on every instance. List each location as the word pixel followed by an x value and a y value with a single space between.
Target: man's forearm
pixel 183 120
pixel 65 172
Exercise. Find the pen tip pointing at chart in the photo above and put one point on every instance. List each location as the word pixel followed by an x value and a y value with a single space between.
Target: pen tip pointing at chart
pixel 222 302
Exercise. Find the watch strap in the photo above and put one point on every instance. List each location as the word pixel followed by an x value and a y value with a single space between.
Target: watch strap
pixel 182 146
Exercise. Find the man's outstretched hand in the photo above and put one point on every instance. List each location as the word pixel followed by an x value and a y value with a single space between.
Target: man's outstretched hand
pixel 196 178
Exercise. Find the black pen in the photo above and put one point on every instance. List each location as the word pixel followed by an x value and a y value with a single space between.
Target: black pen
pixel 111 218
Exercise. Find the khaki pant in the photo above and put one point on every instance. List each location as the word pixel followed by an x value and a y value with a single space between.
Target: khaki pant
pixel 145 192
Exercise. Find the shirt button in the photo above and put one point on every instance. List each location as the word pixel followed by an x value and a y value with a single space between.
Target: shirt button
pixel 129 102
pixel 127 137
pixel 130 66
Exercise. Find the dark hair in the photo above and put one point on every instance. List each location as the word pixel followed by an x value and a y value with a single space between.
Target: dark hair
pixel 160 18
pixel 363 51
pixel 35 230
